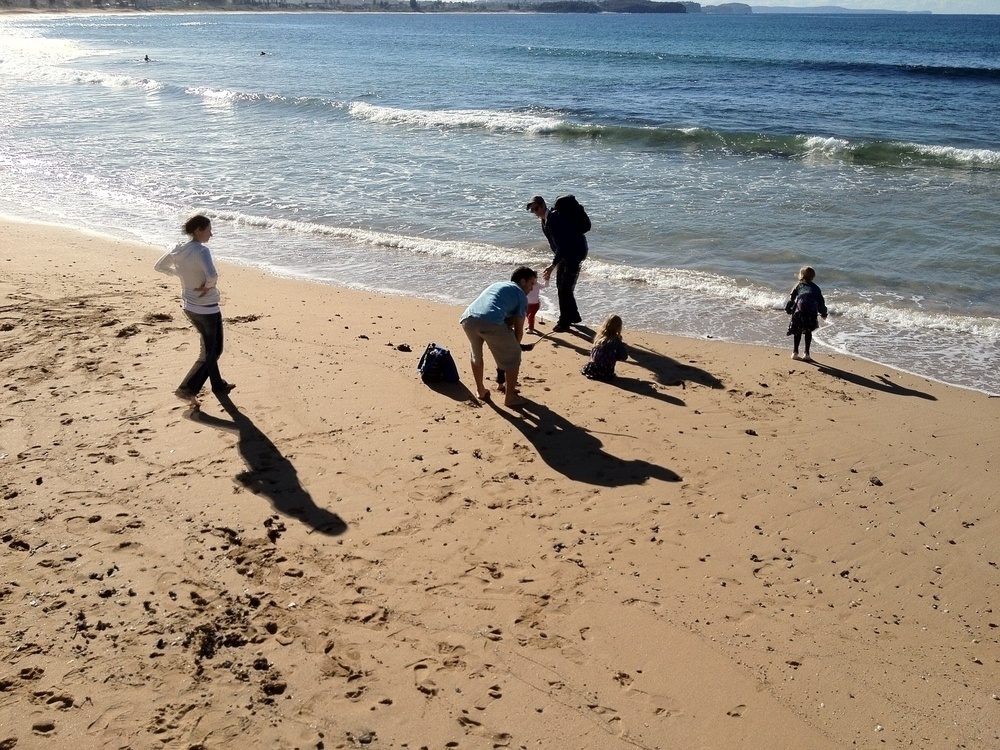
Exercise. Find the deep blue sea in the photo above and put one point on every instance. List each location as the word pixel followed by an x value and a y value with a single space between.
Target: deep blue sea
pixel 715 155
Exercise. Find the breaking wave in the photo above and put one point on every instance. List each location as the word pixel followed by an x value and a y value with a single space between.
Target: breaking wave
pixel 804 147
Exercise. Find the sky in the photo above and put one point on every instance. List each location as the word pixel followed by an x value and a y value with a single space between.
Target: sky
pixel 935 6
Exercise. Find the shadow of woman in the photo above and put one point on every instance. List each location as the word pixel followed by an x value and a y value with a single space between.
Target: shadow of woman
pixel 269 473
pixel 882 384
pixel 577 453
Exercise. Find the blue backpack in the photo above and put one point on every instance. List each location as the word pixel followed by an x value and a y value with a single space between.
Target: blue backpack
pixel 436 365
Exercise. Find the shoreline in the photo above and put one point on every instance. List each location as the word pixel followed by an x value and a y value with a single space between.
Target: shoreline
pixel 947 329
pixel 722 548
pixel 593 293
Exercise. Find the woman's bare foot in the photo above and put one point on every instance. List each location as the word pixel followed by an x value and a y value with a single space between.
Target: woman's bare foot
pixel 185 395
pixel 484 395
pixel 515 401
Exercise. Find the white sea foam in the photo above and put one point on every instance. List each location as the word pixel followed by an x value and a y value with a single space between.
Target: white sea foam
pixel 819 144
pixel 115 81
pixel 230 96
pixel 689 280
pixel 962 155
pixel 220 96
pixel 56 75
pixel 985 328
pixel 827 146
pixel 456 118
pixel 463 250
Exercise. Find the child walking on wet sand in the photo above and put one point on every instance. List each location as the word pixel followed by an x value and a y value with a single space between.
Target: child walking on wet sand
pixel 804 305
pixel 608 350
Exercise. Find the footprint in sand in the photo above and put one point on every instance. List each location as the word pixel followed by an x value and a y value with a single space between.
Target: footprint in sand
pixel 61 701
pixel 81 524
pixel 44 726
pixel 422 679
pixel 453 656
pixel 666 712
pixel 736 712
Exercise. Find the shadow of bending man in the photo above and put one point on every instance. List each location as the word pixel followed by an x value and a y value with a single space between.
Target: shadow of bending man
pixel 269 473
pixel 577 453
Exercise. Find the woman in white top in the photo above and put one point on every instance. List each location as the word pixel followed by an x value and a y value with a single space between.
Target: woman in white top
pixel 192 263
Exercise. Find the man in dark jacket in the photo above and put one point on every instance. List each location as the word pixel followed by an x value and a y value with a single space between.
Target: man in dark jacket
pixel 565 227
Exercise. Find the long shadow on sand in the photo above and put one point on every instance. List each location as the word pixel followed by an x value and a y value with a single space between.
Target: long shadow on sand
pixel 668 371
pixel 643 388
pixel 269 473
pixel 665 370
pixel 577 453
pixel 882 384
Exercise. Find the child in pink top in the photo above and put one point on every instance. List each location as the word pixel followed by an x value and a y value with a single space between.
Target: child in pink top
pixel 534 303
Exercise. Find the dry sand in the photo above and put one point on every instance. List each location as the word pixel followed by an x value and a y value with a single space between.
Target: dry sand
pixel 723 549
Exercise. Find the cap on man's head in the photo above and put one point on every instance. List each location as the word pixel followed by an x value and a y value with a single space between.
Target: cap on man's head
pixel 536 201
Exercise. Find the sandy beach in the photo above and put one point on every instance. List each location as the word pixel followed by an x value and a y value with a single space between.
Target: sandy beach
pixel 722 549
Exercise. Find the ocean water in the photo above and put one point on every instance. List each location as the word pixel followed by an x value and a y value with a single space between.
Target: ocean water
pixel 715 156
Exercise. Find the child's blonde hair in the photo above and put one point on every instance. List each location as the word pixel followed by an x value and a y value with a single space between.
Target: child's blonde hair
pixel 610 330
pixel 807 273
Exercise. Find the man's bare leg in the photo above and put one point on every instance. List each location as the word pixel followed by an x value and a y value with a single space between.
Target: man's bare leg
pixel 510 391
pixel 477 374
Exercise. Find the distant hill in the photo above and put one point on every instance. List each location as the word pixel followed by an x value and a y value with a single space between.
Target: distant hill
pixel 641 6
pixel 828 9
pixel 731 9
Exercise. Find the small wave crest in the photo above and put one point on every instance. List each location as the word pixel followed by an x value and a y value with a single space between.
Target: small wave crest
pixel 229 96
pixel 219 96
pixel 457 118
pixel 901 154
pixel 477 252
pixel 54 75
